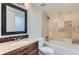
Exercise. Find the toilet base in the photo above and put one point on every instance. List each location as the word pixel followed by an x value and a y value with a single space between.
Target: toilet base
pixel 41 53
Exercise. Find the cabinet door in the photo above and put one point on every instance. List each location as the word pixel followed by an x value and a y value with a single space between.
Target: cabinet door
pixel 32 52
pixel 25 50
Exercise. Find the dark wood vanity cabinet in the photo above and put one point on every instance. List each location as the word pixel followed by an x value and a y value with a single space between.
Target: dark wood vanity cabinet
pixel 31 49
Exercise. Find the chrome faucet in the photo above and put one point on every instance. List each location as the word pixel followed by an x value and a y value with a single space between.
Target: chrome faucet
pixel 16 38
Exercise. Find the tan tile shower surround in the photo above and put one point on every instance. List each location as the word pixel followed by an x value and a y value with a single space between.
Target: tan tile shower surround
pixel 64 26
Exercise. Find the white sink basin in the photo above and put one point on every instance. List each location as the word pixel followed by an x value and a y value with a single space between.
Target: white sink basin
pixel 19 43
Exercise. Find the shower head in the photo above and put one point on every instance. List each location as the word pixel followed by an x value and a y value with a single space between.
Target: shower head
pixel 42 4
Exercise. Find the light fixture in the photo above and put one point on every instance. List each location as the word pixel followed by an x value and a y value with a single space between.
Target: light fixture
pixel 42 4
pixel 26 5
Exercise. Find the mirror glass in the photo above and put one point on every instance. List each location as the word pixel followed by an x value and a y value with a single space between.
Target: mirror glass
pixel 15 20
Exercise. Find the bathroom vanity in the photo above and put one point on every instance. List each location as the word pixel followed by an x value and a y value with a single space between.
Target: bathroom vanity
pixel 14 22
pixel 27 46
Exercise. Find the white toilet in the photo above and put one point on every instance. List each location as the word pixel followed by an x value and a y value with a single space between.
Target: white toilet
pixel 44 49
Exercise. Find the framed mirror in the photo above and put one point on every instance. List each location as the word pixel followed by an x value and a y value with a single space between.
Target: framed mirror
pixel 14 19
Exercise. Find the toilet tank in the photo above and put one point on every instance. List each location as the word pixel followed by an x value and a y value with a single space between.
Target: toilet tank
pixel 40 42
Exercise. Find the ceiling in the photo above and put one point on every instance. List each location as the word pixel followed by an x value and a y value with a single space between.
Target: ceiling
pixel 53 8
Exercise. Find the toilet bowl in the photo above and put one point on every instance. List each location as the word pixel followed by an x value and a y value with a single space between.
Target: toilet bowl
pixel 47 50
pixel 44 49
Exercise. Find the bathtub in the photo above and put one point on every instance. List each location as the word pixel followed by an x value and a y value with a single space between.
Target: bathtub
pixel 63 48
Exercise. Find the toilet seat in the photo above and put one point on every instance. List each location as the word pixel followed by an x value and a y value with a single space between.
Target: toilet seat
pixel 47 50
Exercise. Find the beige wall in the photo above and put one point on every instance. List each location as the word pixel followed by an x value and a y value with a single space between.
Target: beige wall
pixel 34 21
pixel 0 19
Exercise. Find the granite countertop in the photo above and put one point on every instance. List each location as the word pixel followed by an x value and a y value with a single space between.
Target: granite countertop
pixel 13 45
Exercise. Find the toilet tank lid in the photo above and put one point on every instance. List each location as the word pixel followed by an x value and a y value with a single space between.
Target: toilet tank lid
pixel 40 38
